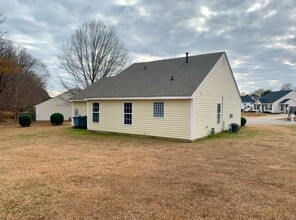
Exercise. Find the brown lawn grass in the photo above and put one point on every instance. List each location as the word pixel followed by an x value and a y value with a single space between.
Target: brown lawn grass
pixel 51 172
pixel 253 114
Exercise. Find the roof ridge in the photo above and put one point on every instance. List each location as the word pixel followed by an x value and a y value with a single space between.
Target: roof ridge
pixel 181 57
pixel 156 79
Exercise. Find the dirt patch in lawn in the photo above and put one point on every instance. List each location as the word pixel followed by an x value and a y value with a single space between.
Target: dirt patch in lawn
pixel 49 172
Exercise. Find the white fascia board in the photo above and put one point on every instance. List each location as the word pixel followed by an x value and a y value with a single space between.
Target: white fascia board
pixel 80 100
pixel 141 98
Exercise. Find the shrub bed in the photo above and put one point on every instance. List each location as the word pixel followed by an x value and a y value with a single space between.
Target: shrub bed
pixel 25 120
pixel 243 121
pixel 56 119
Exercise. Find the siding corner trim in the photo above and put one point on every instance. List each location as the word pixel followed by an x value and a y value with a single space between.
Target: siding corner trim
pixel 192 120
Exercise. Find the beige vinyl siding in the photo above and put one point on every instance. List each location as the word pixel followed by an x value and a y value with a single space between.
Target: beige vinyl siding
pixel 81 106
pixel 218 87
pixel 174 124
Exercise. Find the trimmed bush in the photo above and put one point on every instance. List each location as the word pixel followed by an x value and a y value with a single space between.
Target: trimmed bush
pixel 243 121
pixel 56 119
pixel 32 112
pixel 25 120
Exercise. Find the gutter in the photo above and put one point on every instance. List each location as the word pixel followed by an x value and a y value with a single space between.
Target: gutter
pixel 140 98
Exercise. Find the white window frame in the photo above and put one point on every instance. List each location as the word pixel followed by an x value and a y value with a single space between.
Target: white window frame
pixel 268 107
pixel 95 111
pixel 158 109
pixel 219 113
pixel 127 121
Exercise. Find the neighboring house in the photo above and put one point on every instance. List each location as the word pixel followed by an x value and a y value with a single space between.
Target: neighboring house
pixel 183 98
pixel 60 104
pixel 247 103
pixel 277 102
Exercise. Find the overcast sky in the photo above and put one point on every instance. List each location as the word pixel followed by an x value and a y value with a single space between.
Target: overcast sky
pixel 259 36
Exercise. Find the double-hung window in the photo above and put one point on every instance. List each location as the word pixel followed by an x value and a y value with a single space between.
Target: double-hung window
pixel 128 118
pixel 96 112
pixel 158 109
pixel 218 113
pixel 269 107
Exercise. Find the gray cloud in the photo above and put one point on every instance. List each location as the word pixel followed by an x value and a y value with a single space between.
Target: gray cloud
pixel 258 36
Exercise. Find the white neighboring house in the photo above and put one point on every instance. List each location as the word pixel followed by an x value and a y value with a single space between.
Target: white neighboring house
pixel 277 102
pixel 58 104
pixel 247 103
pixel 182 98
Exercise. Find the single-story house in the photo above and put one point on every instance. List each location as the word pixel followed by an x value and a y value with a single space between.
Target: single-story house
pixel 277 102
pixel 60 104
pixel 183 98
pixel 247 103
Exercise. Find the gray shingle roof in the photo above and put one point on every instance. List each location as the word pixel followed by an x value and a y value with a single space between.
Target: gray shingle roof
pixel 247 99
pixel 153 79
pixel 284 101
pixel 273 96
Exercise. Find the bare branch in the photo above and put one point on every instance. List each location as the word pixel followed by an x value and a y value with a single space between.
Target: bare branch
pixel 8 61
pixel 286 87
pixel 92 52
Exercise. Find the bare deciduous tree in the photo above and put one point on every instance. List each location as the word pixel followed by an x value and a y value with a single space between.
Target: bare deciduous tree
pixel 287 86
pixel 261 92
pixel 8 58
pixel 8 62
pixel 27 86
pixel 93 51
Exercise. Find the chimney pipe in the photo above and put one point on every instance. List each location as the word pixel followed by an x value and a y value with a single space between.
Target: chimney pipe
pixel 187 57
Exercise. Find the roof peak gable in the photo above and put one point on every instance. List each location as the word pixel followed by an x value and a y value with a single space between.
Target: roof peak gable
pixel 154 78
pixel 274 96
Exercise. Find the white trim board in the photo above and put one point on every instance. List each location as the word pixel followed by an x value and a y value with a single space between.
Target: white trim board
pixel 140 98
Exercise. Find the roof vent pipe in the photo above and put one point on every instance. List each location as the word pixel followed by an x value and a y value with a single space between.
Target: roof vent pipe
pixel 172 78
pixel 145 67
pixel 187 57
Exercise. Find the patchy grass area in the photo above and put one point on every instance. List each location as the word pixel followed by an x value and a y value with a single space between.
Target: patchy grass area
pixel 245 132
pixel 49 172
pixel 253 114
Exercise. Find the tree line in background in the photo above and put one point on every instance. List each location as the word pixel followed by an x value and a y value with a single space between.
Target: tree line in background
pixel 262 92
pixel 22 77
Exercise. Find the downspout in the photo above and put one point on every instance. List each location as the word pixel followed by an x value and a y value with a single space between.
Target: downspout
pixel 222 107
pixel 72 113
pixel 87 115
